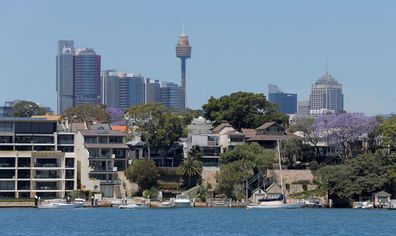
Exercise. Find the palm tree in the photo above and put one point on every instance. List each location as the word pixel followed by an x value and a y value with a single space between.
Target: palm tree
pixel 191 167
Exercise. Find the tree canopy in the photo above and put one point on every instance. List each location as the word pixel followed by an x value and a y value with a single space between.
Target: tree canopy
pixel 241 163
pixel 242 110
pixel 358 177
pixel 144 173
pixel 27 109
pixel 89 113
pixel 191 167
pixel 157 126
pixel 344 128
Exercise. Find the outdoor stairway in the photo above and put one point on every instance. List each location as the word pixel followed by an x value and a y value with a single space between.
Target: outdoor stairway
pixel 125 187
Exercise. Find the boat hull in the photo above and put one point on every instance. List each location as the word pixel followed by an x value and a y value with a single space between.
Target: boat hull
pixel 276 206
pixel 132 206
pixel 56 206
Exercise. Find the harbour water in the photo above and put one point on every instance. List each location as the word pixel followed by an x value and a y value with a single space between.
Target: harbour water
pixel 197 221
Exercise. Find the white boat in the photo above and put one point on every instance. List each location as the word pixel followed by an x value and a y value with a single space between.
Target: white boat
pixel 279 202
pixel 182 201
pixel 79 202
pixel 133 206
pixel 364 205
pixel 54 205
pixel 279 205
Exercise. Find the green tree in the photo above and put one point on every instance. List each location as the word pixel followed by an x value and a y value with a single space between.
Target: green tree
pixel 357 177
pixel 388 132
pixel 241 163
pixel 291 149
pixel 242 110
pixel 27 109
pixel 144 173
pixel 157 126
pixel 191 167
pixel 89 113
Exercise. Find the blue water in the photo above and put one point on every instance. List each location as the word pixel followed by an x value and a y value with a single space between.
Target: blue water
pixel 196 221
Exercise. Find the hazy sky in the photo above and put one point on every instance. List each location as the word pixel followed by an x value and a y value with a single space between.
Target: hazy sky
pixel 236 45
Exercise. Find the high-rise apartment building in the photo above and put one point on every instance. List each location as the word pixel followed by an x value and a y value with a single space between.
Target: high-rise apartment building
pixel 285 102
pixel 77 76
pixel 183 51
pixel 326 95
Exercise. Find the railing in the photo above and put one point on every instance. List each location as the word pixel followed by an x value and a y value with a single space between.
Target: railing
pixel 46 165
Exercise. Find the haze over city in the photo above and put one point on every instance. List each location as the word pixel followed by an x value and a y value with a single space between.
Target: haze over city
pixel 236 47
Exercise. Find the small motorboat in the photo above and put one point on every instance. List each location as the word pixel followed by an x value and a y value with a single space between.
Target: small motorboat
pixel 56 206
pixel 182 201
pixel 79 202
pixel 133 206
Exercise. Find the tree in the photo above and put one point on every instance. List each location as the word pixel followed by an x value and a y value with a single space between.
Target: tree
pixel 116 116
pixel 89 113
pixel 291 149
pixel 357 177
pixel 191 167
pixel 310 134
pixel 27 109
pixel 241 163
pixel 344 129
pixel 388 132
pixel 242 110
pixel 156 125
pixel 144 173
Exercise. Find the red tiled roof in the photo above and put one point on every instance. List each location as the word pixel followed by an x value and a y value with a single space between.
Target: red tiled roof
pixel 221 126
pixel 121 128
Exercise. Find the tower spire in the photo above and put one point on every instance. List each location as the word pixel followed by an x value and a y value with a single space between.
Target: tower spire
pixel 183 32
pixel 326 65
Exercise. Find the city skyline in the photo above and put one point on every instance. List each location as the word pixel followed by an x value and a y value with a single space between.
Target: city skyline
pixel 269 42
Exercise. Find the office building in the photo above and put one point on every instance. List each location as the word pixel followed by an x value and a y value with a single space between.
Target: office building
pixel 303 108
pixel 153 91
pixel 77 76
pixel 170 95
pixel 326 95
pixel 36 159
pixel 132 90
pixel 285 102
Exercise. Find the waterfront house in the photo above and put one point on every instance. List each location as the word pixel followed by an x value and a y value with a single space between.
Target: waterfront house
pixel 101 153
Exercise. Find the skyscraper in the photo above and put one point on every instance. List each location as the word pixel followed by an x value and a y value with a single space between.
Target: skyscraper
pixel 285 102
pixel 153 91
pixel 326 95
pixel 64 75
pixel 87 86
pixel 183 51
pixel 132 90
pixel 77 76
pixel 111 87
pixel 170 95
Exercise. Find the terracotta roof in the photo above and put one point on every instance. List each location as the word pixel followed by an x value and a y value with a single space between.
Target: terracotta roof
pixel 266 125
pixel 221 126
pixel 249 132
pixel 234 133
pixel 105 145
pixel 121 128
pixel 101 133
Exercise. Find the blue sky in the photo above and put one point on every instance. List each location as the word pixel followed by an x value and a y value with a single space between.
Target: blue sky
pixel 237 45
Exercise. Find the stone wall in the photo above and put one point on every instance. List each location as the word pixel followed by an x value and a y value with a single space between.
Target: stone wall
pixel 209 175
pixel 291 176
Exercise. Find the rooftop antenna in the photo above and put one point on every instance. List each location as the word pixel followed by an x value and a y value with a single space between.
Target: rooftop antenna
pixel 326 65
pixel 183 26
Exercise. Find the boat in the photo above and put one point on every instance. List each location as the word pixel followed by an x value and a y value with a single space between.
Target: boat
pixel 278 202
pixel 392 205
pixel 364 205
pixel 133 206
pixel 79 202
pixel 182 200
pixel 55 205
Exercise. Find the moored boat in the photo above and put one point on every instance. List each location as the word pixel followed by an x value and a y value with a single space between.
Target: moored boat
pixel 133 206
pixel 182 201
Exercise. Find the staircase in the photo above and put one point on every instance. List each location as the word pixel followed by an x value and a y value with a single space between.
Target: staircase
pixel 126 188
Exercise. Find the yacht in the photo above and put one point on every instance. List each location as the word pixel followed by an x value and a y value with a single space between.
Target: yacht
pixel 133 206
pixel 280 201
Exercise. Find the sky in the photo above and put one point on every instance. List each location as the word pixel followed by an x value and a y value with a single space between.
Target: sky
pixel 236 45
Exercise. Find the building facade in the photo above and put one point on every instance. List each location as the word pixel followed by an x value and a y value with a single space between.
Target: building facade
pixel 285 102
pixel 101 153
pixel 77 76
pixel 36 159
pixel 170 96
pixel 326 95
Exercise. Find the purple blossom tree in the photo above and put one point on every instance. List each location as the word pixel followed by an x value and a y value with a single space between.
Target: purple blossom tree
pixel 344 129
pixel 116 115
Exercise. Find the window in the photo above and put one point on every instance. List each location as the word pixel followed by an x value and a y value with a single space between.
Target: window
pixel 119 153
pixel 103 139
pixel 66 139
pixel 5 139
pixel 116 140
pixel 6 127
pixel 91 139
